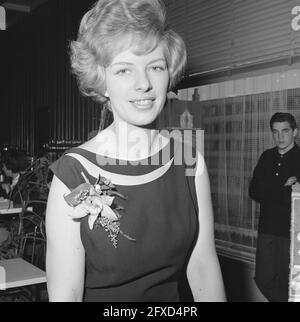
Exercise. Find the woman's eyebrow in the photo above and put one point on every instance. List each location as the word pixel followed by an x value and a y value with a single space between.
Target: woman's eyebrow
pixel 130 64
pixel 121 63
pixel 156 60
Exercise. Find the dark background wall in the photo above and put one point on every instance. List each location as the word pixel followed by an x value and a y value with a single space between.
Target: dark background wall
pixel 40 101
pixel 226 38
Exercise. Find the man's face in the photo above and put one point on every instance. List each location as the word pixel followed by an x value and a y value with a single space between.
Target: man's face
pixel 283 135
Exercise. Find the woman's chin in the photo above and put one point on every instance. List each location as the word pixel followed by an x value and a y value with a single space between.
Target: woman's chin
pixel 142 121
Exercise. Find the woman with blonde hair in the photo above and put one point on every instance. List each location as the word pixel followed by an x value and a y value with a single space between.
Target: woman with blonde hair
pixel 121 227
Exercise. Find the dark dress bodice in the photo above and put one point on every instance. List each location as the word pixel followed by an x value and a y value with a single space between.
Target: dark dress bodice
pixel 160 213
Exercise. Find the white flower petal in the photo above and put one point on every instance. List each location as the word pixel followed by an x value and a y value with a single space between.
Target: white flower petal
pixel 91 221
pixel 108 213
pixel 79 211
pixel 107 200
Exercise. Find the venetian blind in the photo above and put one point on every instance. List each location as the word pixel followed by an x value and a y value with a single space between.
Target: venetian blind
pixel 226 34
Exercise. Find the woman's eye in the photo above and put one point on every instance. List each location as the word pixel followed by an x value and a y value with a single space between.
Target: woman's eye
pixel 158 68
pixel 122 71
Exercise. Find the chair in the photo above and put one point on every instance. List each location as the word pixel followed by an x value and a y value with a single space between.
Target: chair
pixel 27 241
pixel 29 245
pixel 27 234
pixel 10 247
pixel 33 233
pixel 33 183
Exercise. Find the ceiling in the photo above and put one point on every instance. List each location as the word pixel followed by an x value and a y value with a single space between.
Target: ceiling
pixel 19 9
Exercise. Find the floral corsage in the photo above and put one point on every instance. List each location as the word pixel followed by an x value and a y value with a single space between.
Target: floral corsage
pixel 98 202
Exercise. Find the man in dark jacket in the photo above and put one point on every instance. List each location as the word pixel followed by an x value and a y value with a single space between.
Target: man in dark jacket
pixel 277 170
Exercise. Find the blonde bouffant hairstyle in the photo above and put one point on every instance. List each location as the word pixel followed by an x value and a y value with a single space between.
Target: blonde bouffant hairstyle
pixel 112 26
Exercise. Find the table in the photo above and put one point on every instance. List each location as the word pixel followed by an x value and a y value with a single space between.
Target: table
pixel 13 210
pixel 17 272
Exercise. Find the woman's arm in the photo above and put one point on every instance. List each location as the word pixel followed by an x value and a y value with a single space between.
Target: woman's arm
pixel 65 260
pixel 203 270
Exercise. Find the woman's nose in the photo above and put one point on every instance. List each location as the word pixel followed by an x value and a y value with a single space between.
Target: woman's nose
pixel 143 82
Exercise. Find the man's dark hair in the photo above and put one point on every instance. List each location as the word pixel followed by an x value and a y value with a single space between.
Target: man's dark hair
pixel 283 117
pixel 15 161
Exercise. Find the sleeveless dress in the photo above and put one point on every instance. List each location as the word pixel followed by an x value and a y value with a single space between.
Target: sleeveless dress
pixel 160 213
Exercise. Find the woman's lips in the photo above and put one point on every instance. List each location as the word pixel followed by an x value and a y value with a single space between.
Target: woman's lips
pixel 143 104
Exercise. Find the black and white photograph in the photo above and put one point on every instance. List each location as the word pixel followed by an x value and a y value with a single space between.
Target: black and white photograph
pixel 149 153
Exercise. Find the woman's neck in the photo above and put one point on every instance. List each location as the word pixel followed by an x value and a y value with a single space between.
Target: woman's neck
pixel 128 142
pixel 133 142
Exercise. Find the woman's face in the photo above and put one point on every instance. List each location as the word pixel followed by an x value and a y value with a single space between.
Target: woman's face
pixel 137 86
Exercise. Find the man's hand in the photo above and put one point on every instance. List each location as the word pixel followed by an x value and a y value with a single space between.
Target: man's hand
pixel 290 181
pixel 296 187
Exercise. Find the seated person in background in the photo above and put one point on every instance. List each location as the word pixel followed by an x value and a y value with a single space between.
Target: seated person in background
pixel 14 163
